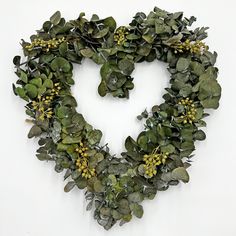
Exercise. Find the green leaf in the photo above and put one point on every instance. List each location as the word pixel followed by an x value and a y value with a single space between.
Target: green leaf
pixel 187 145
pixel 130 144
pixel 69 186
pixel 87 52
pixel 141 170
pixel 135 197
pixel 196 68
pixel 89 206
pixel 126 66
pixel 199 135
pixel 43 157
pixel 116 215
pixel 168 148
pixel 48 83
pixel 22 93
pixel 31 90
pixel 46 58
pixel 132 36
pixel 60 64
pixel 210 73
pixel 160 13
pixel 137 210
pixel 182 64
pixel 186 134
pixel 123 207
pixel 69 100
pixel 115 81
pixel 98 187
pixel 144 50
pixel 55 18
pixel 148 38
pixel 101 33
pixel 71 140
pixel 186 90
pixel 62 147
pixel 209 93
pixel 142 142
pixel 63 48
pixel 34 131
pixel 166 176
pixel 105 211
pixel 23 76
pixel 110 22
pixel 46 26
pixel 36 81
pixel 180 173
pixel 173 40
pixel 102 89
pixel 63 111
pixel 56 131
pixel 98 59
pixel 208 56
pixel 16 60
pixel 106 70
pixel 99 156
pixel 94 18
pixel 81 183
pixel 94 136
pixel 161 28
pixel 117 169
pixel 211 102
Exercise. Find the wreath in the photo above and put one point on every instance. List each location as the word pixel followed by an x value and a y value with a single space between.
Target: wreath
pixel 158 158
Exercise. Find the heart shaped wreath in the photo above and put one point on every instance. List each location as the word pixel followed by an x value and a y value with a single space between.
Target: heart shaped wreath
pixel 162 152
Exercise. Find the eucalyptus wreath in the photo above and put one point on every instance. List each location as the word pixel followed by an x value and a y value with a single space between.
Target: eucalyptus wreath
pixel 114 185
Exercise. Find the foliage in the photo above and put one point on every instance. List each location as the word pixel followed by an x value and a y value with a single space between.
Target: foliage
pixel 158 158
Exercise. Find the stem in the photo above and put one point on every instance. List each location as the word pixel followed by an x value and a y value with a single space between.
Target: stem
pixel 155 150
pixel 26 62
pixel 103 41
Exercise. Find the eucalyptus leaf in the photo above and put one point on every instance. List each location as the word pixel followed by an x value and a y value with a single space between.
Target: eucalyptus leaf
pixel 31 90
pixel 94 136
pixel 101 33
pixel 180 173
pixel 43 157
pixel 137 210
pixel 87 52
pixel 110 22
pixel 60 64
pixel 102 89
pixel 135 197
pixel 23 76
pixel 126 66
pixel 34 131
pixel 182 64
pixel 69 186
pixel 199 135
pixel 55 18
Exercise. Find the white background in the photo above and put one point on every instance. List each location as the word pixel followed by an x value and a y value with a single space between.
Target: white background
pixel 32 201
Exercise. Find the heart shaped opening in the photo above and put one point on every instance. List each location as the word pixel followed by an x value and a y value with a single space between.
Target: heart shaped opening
pixel 115 117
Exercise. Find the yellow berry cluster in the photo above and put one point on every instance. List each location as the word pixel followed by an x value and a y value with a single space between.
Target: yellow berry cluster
pixel 42 105
pixel 46 45
pixel 82 162
pixel 152 161
pixel 120 35
pixel 189 115
pixel 197 47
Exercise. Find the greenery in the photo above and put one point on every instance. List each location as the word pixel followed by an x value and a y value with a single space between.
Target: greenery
pixel 159 157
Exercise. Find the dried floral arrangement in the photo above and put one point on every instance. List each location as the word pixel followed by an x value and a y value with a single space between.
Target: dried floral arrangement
pixel 158 158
